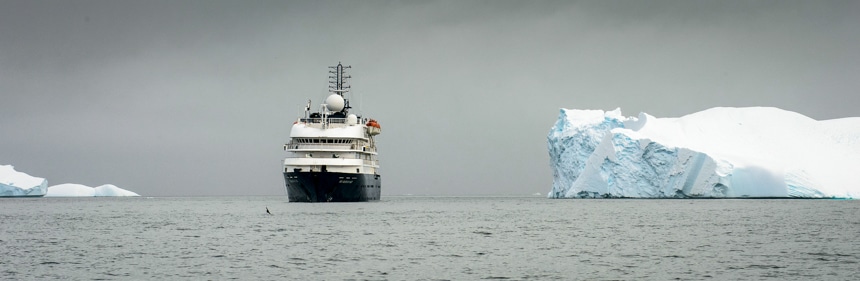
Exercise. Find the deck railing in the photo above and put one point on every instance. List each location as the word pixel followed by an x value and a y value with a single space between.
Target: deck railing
pixel 320 120
pixel 329 146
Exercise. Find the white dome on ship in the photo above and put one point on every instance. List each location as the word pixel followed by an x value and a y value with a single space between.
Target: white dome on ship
pixel 351 119
pixel 334 102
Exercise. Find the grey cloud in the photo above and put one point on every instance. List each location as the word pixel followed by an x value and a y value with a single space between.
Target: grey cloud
pixel 197 97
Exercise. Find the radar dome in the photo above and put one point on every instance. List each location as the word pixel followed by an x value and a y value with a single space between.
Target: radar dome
pixel 334 103
pixel 351 119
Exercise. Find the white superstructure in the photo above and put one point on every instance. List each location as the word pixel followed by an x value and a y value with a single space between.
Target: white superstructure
pixel 333 140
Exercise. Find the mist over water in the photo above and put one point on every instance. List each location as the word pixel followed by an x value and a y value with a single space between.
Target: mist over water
pixel 429 238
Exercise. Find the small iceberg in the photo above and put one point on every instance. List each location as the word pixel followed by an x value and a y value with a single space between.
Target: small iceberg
pixel 80 190
pixel 18 184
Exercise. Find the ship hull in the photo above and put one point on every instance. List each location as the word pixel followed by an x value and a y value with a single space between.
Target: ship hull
pixel 332 187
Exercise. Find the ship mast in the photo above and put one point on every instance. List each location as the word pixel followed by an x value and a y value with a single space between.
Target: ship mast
pixel 338 83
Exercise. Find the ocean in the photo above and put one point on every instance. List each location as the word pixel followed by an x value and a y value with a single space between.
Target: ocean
pixel 429 238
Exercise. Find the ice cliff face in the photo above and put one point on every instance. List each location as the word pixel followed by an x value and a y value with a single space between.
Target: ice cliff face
pixel 15 184
pixel 720 152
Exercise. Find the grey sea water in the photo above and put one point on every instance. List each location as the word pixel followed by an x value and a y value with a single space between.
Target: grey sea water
pixel 428 238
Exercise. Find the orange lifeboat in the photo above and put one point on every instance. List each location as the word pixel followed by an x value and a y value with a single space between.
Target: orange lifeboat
pixel 373 127
pixel 373 123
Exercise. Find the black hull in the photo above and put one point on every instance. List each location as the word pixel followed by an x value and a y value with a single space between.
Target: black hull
pixel 332 187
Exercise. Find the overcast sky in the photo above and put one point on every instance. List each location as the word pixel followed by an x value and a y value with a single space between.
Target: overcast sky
pixel 196 98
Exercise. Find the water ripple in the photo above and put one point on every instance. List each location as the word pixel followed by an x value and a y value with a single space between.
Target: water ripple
pixel 429 238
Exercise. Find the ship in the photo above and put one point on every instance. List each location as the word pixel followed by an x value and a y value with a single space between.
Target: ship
pixel 331 154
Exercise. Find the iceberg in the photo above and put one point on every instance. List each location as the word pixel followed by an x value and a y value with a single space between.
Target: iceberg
pixel 720 152
pixel 18 184
pixel 79 190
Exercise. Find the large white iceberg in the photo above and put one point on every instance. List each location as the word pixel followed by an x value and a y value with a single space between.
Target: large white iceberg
pixel 719 152
pixel 79 190
pixel 18 184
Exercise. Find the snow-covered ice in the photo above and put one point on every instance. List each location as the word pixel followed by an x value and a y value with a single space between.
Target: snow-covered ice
pixel 79 190
pixel 719 152
pixel 18 184
pixel 14 183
